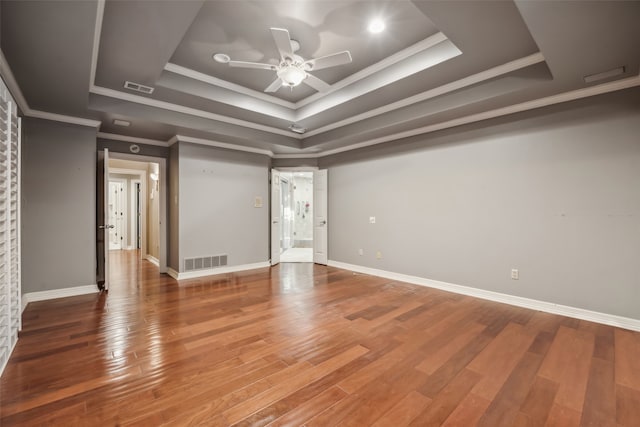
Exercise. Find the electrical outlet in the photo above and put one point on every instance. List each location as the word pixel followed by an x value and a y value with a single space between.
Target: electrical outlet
pixel 360 252
pixel 515 274
pixel 379 255
pixel 372 220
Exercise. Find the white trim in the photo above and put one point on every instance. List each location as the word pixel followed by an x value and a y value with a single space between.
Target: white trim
pixel 297 156
pixel 548 307
pixel 219 144
pixel 16 92
pixel 12 84
pixel 163 193
pixel 124 171
pixel 217 270
pixel 296 168
pixel 443 51
pixel 96 42
pixel 414 49
pixel 387 62
pixel 134 213
pixel 509 67
pixel 214 81
pixel 164 105
pixel 57 293
pixel 63 118
pixel 485 115
pixel 153 260
pixel 171 272
pixel 173 140
pixel 132 139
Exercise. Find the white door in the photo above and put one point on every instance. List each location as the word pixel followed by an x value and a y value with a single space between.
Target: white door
pixel 275 217
pixel 102 216
pixel 116 215
pixel 320 217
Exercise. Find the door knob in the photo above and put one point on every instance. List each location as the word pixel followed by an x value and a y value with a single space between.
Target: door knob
pixel 102 227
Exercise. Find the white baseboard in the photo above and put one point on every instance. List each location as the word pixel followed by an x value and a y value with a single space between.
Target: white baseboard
pixel 549 307
pixel 153 260
pixel 171 272
pixel 218 270
pixel 57 293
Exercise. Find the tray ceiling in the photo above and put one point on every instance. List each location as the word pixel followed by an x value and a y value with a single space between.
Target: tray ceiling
pixel 436 65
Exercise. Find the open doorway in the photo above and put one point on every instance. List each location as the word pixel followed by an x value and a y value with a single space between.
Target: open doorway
pixel 295 201
pixel 296 211
pixel 142 209
pixel 134 208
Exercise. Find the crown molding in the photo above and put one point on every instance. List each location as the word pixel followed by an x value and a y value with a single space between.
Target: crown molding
pixel 96 42
pixel 63 118
pixel 214 81
pixel 219 144
pixel 387 62
pixel 16 93
pixel 132 139
pixel 438 91
pixel 296 156
pixel 498 112
pixel 322 101
pixel 12 84
pixel 150 102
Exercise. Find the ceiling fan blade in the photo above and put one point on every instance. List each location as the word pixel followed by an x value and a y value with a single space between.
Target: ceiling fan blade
pixel 332 60
pixel 277 83
pixel 259 65
pixel 283 42
pixel 316 83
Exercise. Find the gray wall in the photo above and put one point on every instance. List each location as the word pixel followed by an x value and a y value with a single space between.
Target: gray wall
pixel 216 202
pixel 58 205
pixel 173 242
pixel 554 193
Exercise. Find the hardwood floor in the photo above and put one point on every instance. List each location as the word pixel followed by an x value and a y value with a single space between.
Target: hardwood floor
pixel 300 344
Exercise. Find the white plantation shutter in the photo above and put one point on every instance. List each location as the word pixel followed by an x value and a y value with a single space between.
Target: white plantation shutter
pixel 10 304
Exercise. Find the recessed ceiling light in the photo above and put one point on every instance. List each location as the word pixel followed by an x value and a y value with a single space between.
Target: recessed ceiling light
pixel 222 58
pixel 119 122
pixel 376 26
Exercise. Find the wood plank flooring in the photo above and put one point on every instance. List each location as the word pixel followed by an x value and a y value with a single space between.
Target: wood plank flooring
pixel 301 344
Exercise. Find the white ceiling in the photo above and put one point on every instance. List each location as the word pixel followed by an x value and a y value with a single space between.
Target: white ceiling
pixel 437 65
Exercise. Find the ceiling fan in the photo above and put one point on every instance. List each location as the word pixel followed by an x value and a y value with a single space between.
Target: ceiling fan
pixel 292 69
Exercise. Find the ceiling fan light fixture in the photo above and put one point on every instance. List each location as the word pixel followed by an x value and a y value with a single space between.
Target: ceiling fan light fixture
pixel 376 26
pixel 291 75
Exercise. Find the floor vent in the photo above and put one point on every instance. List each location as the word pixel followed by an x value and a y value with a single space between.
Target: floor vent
pixel 138 87
pixel 204 263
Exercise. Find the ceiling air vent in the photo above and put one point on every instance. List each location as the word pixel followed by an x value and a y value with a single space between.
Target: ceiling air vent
pixel 138 87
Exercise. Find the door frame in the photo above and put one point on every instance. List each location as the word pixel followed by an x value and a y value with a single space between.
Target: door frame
pixel 142 178
pixel 163 194
pixel 136 231
pixel 285 169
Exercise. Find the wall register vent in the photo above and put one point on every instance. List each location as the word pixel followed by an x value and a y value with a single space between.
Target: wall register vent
pixel 204 263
